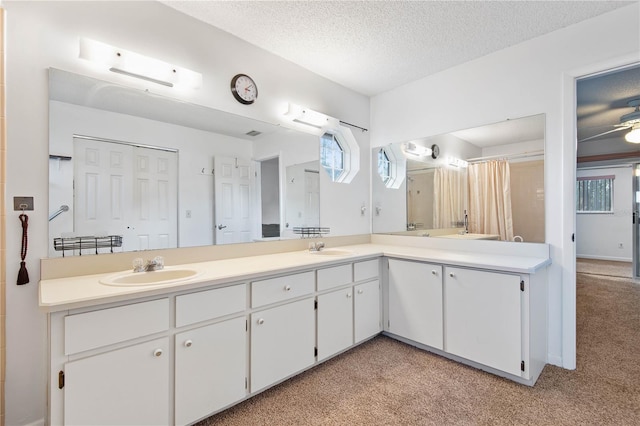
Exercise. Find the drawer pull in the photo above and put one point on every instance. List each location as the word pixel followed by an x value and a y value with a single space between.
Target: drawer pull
pixel 348 295
pixel 433 272
pixel 157 352
pixel 360 291
pixel 451 274
pixel 261 321
pixel 188 343
pixel 287 288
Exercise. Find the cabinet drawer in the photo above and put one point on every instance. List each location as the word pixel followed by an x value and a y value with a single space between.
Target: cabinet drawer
pixel 366 270
pixel 92 330
pixel 334 277
pixel 278 289
pixel 210 304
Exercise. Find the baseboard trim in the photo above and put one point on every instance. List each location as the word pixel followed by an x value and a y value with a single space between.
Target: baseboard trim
pixel 612 258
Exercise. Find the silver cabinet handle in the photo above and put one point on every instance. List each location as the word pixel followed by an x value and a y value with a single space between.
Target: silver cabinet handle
pixel 433 272
pixel 188 343
pixel 287 288
pixel 348 295
pixel 220 227
pixel 360 291
pixel 157 352
pixel 451 274
pixel 261 321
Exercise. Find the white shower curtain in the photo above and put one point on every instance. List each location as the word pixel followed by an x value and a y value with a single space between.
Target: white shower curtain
pixel 448 197
pixel 490 199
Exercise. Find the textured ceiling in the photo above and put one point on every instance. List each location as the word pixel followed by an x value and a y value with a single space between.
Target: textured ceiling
pixel 603 99
pixel 374 46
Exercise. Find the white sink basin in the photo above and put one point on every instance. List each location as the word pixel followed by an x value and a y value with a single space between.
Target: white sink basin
pixel 332 252
pixel 163 276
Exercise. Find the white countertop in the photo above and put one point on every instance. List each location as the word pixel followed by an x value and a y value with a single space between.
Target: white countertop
pixel 82 291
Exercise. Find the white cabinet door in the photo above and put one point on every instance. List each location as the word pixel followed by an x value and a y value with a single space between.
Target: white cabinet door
pixel 366 299
pixel 483 317
pixel 128 386
pixel 282 342
pixel 210 369
pixel 335 322
pixel 415 302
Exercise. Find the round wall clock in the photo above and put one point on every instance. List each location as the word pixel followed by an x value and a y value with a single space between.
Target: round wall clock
pixel 435 151
pixel 244 89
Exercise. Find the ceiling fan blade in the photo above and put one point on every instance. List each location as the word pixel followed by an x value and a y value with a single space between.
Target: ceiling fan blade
pixel 604 133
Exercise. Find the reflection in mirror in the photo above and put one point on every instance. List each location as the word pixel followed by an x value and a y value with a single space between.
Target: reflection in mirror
pixel 481 183
pixel 303 196
pixel 162 173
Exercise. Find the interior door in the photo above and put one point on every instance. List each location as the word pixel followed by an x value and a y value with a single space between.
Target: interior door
pixel 102 188
pixel 232 200
pixel 155 195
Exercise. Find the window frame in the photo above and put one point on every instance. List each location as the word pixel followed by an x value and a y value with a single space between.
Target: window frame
pixel 581 201
pixel 335 171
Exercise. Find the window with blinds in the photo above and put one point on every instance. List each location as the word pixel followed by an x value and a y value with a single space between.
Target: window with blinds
pixel 594 194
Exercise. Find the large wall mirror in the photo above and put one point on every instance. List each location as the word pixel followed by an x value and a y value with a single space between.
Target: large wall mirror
pixel 130 170
pixel 481 183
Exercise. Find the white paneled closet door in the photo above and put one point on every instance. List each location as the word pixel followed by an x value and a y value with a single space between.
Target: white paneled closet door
pixel 121 189
pixel 155 195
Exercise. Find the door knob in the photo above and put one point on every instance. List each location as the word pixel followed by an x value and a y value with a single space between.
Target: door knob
pixel 188 343
pixel 451 274
pixel 434 272
pixel 221 227
pixel 261 321
pixel 157 352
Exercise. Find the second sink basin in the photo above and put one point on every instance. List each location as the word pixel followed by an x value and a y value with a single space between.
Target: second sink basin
pixel 164 276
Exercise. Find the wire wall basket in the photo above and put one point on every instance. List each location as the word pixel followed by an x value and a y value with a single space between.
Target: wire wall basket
pixel 87 243
pixel 311 232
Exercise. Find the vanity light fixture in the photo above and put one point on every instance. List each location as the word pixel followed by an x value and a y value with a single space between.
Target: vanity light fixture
pixel 634 135
pixel 416 150
pixel 300 114
pixel 457 162
pixel 132 64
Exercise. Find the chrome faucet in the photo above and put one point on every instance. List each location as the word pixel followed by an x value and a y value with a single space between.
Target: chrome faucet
pixel 466 222
pixel 155 264
pixel 316 246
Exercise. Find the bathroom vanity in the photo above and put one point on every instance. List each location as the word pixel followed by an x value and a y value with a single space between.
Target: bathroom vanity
pixel 176 352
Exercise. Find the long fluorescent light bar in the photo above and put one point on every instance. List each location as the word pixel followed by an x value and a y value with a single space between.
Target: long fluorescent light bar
pixel 310 117
pixel 132 64
pixel 416 150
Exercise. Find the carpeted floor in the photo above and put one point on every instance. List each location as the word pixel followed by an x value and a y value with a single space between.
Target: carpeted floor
pixel 609 268
pixel 385 382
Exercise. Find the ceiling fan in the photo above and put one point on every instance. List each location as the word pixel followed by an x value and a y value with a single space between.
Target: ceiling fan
pixel 627 121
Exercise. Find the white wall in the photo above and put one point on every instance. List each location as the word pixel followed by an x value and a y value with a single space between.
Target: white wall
pixel 40 35
pixel 530 78
pixel 598 235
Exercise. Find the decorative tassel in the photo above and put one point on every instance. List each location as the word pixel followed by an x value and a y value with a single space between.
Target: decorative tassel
pixel 23 274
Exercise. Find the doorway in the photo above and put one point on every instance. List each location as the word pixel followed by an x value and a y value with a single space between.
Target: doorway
pixel 606 202
pixel 270 197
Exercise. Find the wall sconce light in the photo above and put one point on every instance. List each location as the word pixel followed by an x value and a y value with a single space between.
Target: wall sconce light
pixel 300 114
pixel 416 150
pixel 132 64
pixel 457 162
pixel 634 135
